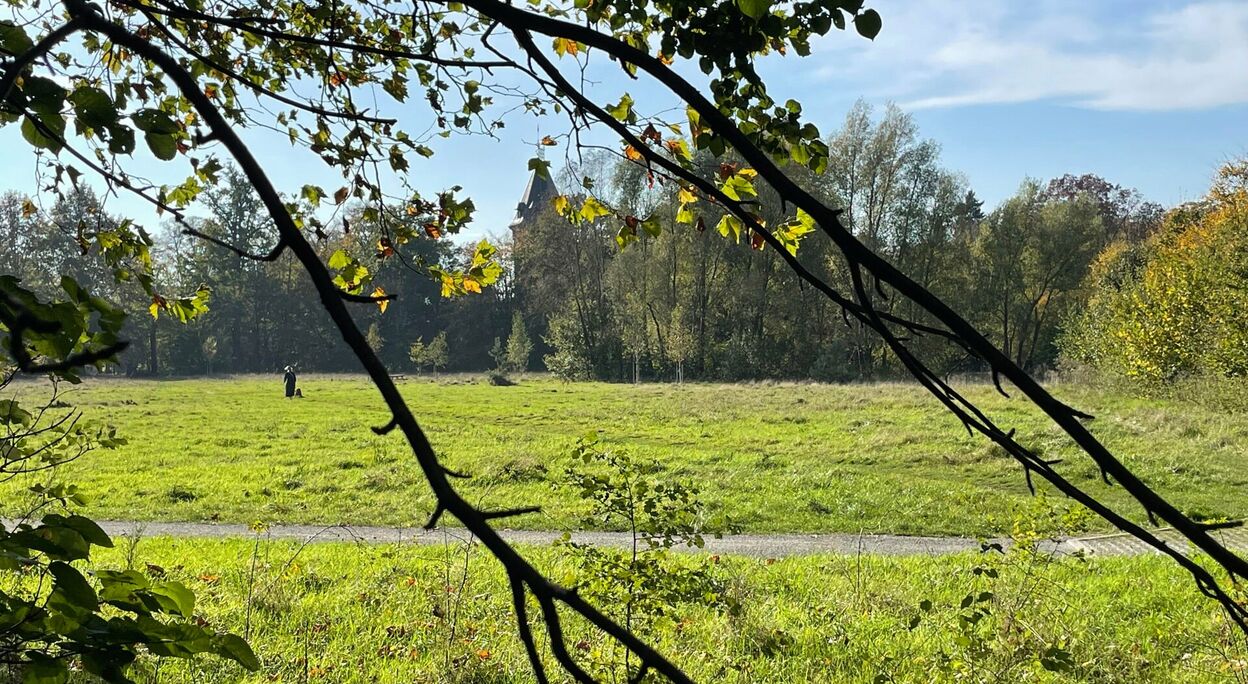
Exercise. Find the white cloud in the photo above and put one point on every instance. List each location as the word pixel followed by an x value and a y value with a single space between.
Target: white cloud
pixel 1122 56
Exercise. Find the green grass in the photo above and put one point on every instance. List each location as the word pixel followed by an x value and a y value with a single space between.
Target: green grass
pixel 777 457
pixel 364 613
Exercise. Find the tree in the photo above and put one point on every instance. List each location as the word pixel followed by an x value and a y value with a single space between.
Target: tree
pixel 418 353
pixel 1124 212
pixel 438 353
pixel 518 345
pixel 375 340
pixel 499 353
pixel 680 341
pixel 1030 259
pixel 177 76
pixel 1175 305
pixel 209 349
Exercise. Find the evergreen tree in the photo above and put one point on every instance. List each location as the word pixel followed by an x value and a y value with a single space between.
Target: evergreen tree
pixel 519 347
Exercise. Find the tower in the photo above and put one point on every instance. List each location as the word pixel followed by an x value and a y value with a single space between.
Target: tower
pixel 537 196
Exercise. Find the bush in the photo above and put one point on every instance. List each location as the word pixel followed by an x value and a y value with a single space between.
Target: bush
pixel 498 379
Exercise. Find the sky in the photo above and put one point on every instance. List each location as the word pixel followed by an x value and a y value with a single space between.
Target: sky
pixel 1150 94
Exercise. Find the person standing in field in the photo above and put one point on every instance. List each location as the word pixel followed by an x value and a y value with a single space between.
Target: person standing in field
pixel 290 381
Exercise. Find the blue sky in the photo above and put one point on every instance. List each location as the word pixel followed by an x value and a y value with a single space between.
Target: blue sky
pixel 1151 94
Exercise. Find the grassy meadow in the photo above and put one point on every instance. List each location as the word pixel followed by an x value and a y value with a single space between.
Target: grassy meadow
pixel 401 613
pixel 776 457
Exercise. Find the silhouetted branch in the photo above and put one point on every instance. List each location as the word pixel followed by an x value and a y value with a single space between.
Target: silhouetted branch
pixel 366 299
pixel 959 330
pixel 271 255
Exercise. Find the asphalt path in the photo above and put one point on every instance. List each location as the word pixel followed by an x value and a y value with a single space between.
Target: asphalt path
pixel 756 545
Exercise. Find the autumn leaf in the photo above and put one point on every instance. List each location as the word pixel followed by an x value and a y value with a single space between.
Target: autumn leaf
pixel 382 301
pixel 728 170
pixel 385 248
pixel 756 240
pixel 678 147
pixel 566 46
pixel 29 209
pixel 484 654
pixel 561 204
pixel 341 195
pixel 548 141
pixel 687 196
pixel 632 153
pixel 651 134
pixel 471 285
pixel 592 209
pixel 664 59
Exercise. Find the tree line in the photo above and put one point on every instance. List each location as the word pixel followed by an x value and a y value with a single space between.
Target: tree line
pixel 1075 269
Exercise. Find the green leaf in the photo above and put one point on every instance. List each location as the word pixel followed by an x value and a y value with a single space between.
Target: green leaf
pixel 45 670
pixel 11 412
pixel 235 648
pixel 652 226
pixel 540 166
pixel 154 121
pixel 93 107
pixel 730 226
pixel 71 593
pixel 174 598
pixel 592 209
pixel 754 9
pixel 13 39
pixel 162 145
pixel 36 137
pixel 121 139
pixel 339 259
pixel 84 526
pixel 623 110
pixel 868 24
pixel 312 193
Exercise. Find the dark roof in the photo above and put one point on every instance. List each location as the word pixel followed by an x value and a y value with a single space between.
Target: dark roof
pixel 537 195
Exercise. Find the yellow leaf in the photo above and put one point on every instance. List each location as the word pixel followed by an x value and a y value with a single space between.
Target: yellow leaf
pixel 561 204
pixel 29 209
pixel 592 209
pixel 471 285
pixel 381 303
pixel 566 46
pixel 687 196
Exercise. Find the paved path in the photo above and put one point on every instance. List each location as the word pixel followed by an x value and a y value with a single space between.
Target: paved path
pixel 758 545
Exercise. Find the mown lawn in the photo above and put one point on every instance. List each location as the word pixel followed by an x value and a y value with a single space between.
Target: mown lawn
pixel 401 613
pixel 776 457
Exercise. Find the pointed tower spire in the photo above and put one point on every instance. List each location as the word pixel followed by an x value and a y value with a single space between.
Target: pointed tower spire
pixel 537 196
